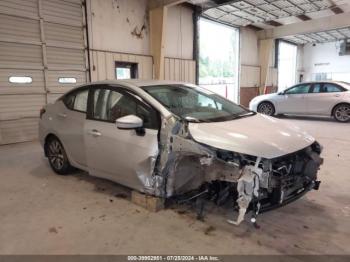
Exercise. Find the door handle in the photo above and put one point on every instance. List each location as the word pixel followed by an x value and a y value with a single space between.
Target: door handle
pixel 63 115
pixel 337 95
pixel 95 133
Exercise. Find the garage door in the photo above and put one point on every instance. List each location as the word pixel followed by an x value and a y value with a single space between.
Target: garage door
pixel 42 55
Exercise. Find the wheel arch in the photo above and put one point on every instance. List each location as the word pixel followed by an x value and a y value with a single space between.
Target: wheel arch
pixel 334 107
pixel 267 101
pixel 48 136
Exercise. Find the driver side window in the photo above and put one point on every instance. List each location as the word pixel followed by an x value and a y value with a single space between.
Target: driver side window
pixel 109 105
pixel 299 89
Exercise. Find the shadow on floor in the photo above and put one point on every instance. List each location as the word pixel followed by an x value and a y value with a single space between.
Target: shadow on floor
pixel 308 118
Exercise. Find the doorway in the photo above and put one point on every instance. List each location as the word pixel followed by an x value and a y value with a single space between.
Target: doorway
pixel 287 64
pixel 219 58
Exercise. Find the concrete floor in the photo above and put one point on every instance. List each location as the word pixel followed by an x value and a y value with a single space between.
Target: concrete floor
pixel 42 213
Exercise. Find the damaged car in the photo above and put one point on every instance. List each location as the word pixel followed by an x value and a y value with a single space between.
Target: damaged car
pixel 175 140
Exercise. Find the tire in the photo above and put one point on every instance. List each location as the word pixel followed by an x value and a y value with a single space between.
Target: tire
pixel 57 156
pixel 266 108
pixel 341 113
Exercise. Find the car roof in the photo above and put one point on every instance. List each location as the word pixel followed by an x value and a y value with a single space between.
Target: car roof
pixel 134 85
pixel 325 81
pixel 138 82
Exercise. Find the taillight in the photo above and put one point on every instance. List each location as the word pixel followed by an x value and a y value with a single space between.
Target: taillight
pixel 42 111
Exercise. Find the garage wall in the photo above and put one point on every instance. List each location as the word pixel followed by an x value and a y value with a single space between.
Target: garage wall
pixel 43 40
pixel 250 66
pixel 119 31
pixel 103 64
pixel 180 70
pixel 179 37
pixel 324 59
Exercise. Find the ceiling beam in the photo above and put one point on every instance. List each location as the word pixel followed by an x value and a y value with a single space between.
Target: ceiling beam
pixel 273 23
pixel 165 3
pixel 303 17
pixel 337 10
pixel 311 26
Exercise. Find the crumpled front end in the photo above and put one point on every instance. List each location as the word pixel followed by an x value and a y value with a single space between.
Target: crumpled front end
pixel 252 183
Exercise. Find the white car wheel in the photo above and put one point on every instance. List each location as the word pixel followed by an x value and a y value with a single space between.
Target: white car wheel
pixel 57 156
pixel 266 108
pixel 342 113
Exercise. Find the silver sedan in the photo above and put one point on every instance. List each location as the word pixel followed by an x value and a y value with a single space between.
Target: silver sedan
pixel 312 98
pixel 172 139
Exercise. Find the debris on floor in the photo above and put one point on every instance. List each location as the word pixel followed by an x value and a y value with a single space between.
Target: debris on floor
pixel 209 230
pixel 53 230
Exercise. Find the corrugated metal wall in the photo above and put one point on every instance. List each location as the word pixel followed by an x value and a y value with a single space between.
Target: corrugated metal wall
pixel 103 64
pixel 180 70
pixel 44 40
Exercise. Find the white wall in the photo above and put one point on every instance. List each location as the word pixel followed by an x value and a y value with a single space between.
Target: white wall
pixel 115 34
pixel 249 47
pixel 112 23
pixel 179 36
pixel 249 58
pixel 324 58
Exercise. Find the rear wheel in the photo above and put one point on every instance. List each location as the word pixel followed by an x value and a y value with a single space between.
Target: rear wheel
pixel 57 156
pixel 341 113
pixel 266 108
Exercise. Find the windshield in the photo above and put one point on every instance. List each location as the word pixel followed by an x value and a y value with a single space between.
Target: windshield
pixel 196 104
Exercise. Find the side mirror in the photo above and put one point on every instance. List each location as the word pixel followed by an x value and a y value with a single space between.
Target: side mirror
pixel 281 93
pixel 129 122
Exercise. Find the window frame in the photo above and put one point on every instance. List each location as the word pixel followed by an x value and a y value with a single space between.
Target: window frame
pixel 67 77
pixel 125 92
pixel 20 76
pixel 133 66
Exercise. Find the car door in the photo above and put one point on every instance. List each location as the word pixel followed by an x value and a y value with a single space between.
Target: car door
pixel 69 124
pixel 125 156
pixel 323 97
pixel 293 99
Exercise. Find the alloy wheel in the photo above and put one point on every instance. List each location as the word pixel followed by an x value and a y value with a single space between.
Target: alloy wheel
pixel 342 113
pixel 266 108
pixel 55 154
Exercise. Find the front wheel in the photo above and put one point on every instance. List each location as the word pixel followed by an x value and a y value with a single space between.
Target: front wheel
pixel 57 156
pixel 341 113
pixel 266 108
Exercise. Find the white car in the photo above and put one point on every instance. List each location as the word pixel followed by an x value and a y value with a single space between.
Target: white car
pixel 313 98
pixel 172 139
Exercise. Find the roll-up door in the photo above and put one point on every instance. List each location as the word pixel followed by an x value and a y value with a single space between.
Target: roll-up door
pixel 42 55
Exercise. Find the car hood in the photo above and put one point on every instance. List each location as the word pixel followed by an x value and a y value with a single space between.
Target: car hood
pixel 257 135
pixel 267 96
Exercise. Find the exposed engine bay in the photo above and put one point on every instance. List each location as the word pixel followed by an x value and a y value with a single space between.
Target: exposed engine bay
pixel 186 170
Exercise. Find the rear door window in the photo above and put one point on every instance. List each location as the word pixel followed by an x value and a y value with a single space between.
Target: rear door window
pixel 77 101
pixel 331 88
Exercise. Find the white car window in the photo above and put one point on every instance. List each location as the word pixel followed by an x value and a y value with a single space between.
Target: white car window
pixel 317 88
pixel 299 89
pixel 331 88
pixel 80 102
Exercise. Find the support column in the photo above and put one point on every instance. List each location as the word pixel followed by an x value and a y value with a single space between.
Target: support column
pixel 158 17
pixel 265 49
